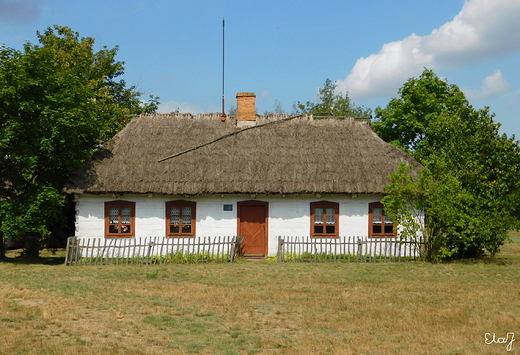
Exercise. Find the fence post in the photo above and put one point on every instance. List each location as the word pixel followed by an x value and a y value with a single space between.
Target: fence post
pixel 150 246
pixel 67 251
pixel 233 249
pixel 360 249
pixel 236 247
pixel 280 248
pixel 71 250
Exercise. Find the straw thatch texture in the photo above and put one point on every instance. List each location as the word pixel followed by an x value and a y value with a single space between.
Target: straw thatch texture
pixel 299 155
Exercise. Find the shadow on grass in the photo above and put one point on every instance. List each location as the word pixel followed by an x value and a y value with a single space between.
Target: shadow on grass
pixel 47 257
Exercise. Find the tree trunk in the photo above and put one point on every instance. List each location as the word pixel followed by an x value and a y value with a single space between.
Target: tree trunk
pixel 2 247
pixel 32 246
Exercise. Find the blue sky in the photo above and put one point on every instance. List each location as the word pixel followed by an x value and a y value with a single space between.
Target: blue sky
pixel 285 49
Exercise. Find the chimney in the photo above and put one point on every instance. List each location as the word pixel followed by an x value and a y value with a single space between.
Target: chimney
pixel 246 109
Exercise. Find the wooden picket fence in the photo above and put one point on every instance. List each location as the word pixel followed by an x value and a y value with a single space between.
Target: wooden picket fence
pixel 356 249
pixel 151 250
pixel 160 250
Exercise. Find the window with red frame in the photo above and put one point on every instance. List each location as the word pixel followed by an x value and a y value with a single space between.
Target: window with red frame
pixel 380 224
pixel 180 219
pixel 119 219
pixel 324 219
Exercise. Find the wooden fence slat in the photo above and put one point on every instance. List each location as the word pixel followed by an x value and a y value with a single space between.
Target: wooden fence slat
pixel 89 251
pixel 211 249
pixel 114 254
pixel 101 255
pixel 75 251
pixel 100 252
pixel 84 252
pixel 71 251
pixel 67 250
pixel 218 249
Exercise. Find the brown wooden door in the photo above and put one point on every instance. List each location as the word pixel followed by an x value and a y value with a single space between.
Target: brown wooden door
pixel 252 226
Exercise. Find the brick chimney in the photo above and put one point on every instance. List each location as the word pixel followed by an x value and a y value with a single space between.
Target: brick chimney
pixel 246 109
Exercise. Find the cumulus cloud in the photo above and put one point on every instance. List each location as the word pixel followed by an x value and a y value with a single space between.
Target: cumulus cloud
pixel 492 86
pixel 20 12
pixel 482 29
pixel 184 107
pixel 265 93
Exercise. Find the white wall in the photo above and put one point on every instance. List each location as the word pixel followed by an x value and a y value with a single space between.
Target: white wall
pixel 288 216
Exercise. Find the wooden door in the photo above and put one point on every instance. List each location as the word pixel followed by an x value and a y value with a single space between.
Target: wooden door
pixel 252 226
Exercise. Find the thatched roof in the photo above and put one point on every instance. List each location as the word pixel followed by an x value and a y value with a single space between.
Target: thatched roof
pixel 284 156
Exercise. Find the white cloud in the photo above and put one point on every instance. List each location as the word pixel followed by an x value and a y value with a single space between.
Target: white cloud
pixel 482 29
pixel 492 86
pixel 381 73
pixel 265 93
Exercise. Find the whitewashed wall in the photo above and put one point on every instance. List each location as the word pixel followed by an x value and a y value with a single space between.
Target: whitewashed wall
pixel 288 216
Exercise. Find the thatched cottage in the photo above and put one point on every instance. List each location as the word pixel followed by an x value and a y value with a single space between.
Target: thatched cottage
pixel 259 177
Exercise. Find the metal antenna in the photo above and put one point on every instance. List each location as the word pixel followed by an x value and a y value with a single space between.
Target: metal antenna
pixel 223 116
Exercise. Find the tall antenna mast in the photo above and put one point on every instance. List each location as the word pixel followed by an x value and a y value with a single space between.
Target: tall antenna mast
pixel 223 116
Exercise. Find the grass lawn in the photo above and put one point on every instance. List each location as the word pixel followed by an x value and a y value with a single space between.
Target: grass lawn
pixel 261 307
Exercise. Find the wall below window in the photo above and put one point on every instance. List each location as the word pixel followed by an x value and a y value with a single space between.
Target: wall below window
pixel 288 216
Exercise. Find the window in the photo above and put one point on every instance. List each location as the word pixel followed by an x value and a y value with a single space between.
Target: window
pixel 324 219
pixel 180 219
pixel 380 225
pixel 119 219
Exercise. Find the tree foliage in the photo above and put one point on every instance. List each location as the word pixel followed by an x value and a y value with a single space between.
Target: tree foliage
pixel 331 103
pixel 59 100
pixel 469 188
pixel 406 120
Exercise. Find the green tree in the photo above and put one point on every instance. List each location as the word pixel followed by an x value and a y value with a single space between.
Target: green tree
pixel 331 103
pixel 59 100
pixel 409 197
pixel 469 189
pixel 405 121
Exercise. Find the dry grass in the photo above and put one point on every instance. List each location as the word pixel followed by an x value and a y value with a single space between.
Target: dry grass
pixel 261 308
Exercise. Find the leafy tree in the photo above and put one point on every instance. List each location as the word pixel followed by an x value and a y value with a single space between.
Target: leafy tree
pixel 405 120
pixel 410 197
pixel 277 109
pixel 469 188
pixel 59 100
pixel 331 103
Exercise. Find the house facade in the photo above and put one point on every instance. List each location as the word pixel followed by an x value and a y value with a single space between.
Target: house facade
pixel 258 177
